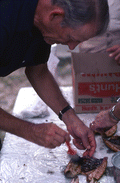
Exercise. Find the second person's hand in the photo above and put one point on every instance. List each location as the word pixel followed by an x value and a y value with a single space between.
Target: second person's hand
pixel 114 51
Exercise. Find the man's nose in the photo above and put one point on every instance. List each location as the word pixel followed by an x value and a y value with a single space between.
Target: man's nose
pixel 72 45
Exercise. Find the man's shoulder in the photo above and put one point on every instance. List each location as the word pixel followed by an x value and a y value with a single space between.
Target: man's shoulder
pixel 9 10
pixel 10 4
pixel 17 15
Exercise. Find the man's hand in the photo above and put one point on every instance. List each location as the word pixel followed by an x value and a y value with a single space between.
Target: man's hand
pixel 48 135
pixel 83 136
pixel 115 52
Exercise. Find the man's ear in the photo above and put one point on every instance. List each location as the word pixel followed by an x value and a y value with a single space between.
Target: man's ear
pixel 56 14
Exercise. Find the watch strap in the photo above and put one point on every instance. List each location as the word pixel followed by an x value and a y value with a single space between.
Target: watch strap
pixel 63 111
pixel 112 114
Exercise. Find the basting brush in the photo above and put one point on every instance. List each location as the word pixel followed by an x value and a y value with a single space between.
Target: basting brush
pixel 75 158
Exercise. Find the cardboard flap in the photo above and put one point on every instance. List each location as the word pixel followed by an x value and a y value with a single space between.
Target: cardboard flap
pixel 94 63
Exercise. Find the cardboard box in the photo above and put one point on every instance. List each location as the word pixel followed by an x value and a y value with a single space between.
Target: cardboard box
pixel 96 81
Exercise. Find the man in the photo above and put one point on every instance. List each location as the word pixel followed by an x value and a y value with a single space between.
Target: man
pixel 28 28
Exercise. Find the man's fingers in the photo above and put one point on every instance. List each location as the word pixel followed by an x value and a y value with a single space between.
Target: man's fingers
pixel 62 135
pixel 90 149
pixel 56 143
pixel 92 144
pixel 86 143
pixel 78 144
pixel 59 138
pixel 92 125
pixel 88 153
pixel 54 136
pixel 59 131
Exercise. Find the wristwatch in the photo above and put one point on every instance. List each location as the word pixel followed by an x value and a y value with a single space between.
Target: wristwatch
pixel 112 112
pixel 63 111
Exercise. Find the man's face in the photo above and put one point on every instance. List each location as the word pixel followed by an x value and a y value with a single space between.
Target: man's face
pixel 69 36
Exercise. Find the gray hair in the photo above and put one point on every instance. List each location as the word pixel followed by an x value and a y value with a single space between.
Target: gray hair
pixel 80 12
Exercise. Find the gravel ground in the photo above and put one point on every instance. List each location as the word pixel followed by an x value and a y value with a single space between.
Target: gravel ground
pixel 9 87
pixel 11 84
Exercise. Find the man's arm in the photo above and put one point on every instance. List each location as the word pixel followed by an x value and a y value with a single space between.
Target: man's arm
pixel 47 88
pixel 14 125
pixel 47 135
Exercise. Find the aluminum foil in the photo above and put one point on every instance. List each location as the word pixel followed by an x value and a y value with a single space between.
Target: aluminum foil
pixel 25 162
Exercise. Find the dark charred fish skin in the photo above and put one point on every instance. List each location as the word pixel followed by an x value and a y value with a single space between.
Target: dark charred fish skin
pixel 92 168
pixel 89 164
